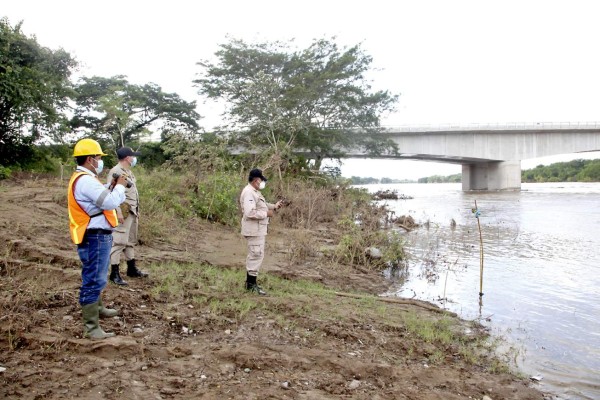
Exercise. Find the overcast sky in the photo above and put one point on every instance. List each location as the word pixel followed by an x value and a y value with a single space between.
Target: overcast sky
pixel 454 62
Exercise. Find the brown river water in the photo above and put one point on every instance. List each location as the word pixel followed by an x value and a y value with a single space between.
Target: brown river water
pixel 541 278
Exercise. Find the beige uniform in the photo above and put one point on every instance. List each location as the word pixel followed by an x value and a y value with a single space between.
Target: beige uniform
pixel 125 235
pixel 254 226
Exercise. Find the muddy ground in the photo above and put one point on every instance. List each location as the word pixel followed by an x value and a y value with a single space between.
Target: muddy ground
pixel 254 357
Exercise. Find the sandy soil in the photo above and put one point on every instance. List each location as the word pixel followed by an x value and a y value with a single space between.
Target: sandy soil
pixel 253 358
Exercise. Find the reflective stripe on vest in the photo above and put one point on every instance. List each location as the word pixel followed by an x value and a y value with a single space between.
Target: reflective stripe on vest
pixel 78 218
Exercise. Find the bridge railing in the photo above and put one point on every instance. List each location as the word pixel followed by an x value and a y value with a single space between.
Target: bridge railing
pixel 493 126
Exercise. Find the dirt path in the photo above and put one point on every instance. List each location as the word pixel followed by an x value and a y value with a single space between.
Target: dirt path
pixel 158 355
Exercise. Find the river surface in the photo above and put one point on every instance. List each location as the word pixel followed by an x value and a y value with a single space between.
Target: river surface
pixel 541 277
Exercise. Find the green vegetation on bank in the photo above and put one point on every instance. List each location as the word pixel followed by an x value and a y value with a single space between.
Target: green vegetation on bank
pixel 441 179
pixel 217 295
pixel 357 180
pixel 571 171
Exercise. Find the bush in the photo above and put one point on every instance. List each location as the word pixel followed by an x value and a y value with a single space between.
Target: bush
pixel 5 172
pixel 163 201
pixel 353 245
pixel 216 198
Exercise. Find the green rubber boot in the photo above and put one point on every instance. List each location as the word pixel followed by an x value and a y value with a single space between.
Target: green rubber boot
pixel 106 312
pixel 91 328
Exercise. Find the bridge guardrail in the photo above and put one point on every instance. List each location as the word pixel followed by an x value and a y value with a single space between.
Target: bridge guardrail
pixel 492 126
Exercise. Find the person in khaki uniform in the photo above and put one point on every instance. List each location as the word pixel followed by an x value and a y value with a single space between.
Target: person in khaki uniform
pixel 256 212
pixel 125 235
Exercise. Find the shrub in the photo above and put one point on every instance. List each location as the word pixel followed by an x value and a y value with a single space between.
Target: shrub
pixel 164 199
pixel 5 172
pixel 216 198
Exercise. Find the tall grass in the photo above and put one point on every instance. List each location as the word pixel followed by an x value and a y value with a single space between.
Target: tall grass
pixel 169 200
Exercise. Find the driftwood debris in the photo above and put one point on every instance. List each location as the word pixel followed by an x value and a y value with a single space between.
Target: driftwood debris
pixel 401 301
pixel 390 195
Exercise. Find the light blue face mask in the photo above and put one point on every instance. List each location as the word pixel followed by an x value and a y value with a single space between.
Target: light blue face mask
pixel 99 167
pixel 133 162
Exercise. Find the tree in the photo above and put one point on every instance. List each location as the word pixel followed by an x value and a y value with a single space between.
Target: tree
pixel 115 110
pixel 316 99
pixel 34 92
pixel 591 172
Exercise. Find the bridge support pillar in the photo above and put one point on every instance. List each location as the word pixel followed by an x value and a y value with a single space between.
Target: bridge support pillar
pixel 497 175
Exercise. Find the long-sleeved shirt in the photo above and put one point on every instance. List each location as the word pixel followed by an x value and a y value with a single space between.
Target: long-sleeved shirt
pixel 94 197
pixel 132 196
pixel 254 207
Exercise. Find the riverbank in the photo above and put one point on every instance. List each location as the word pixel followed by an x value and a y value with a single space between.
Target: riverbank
pixel 190 330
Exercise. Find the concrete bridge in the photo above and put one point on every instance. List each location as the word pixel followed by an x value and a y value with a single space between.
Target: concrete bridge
pixel 490 155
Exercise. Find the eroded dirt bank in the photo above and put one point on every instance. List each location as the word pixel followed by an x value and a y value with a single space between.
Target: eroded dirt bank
pixel 291 347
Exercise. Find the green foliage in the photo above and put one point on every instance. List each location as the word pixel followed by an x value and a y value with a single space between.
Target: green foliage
pixel 4 172
pixel 393 249
pixel 34 90
pixel 153 155
pixel 590 173
pixel 217 198
pixel 164 202
pixel 431 331
pixel 310 99
pixel 61 152
pixel 46 159
pixel 199 155
pixel 215 175
pixel 571 171
pixel 118 111
pixel 168 198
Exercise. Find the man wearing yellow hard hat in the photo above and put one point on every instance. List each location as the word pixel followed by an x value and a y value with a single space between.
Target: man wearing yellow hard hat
pixel 92 218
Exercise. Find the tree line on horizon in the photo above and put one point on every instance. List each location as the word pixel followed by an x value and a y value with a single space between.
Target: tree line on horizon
pixel 571 171
pixel 358 180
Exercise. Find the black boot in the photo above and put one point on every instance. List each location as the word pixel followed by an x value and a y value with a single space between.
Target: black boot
pixel 133 271
pixel 252 286
pixel 115 276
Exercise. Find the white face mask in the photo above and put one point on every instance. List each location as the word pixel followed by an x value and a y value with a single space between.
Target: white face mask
pixel 133 162
pixel 99 166
pixel 262 185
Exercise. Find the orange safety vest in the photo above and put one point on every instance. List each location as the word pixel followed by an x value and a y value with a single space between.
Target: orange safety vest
pixel 78 218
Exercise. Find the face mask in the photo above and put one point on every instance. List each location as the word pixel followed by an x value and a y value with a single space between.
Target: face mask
pixel 99 166
pixel 133 162
pixel 262 185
